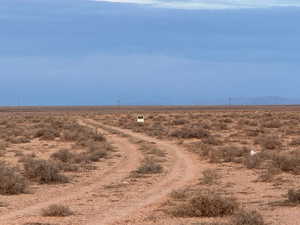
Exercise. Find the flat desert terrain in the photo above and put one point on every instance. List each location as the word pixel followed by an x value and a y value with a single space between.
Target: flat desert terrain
pixel 218 165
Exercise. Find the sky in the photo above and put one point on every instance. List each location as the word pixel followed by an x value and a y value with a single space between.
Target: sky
pixel 147 52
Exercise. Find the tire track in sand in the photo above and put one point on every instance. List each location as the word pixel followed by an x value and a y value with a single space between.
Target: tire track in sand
pixel 184 171
pixel 129 162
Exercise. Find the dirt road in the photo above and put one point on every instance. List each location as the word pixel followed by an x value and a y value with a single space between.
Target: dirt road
pixel 184 170
pixel 112 197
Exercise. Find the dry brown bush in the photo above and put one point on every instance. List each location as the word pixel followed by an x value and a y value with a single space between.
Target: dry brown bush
pixel 287 162
pixel 38 223
pixel 11 182
pixel 272 124
pixel 295 142
pixel 206 204
pixel 149 166
pixel 268 142
pixel 190 132
pixel 57 211
pixel 233 153
pixel 48 133
pixel 294 196
pixel 247 218
pixel 210 176
pixel 43 171
pixel 253 161
pixel 63 155
pixel 211 140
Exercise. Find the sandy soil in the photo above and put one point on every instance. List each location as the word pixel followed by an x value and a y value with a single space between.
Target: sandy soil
pixel 108 195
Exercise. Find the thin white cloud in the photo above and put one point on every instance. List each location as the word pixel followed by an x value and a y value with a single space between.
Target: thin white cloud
pixel 212 4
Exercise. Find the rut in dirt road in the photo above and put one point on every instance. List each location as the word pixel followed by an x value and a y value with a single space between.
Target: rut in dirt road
pixel 184 171
pixel 128 162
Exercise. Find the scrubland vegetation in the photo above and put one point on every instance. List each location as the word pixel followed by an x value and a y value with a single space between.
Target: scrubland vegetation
pixel 250 161
pixel 86 146
pixel 265 142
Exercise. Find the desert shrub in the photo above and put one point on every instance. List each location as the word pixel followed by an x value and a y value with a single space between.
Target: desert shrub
pixel 253 132
pixel 287 162
pixel 82 135
pixel 43 171
pixel 211 140
pixel 190 132
pixel 149 166
pixel 252 161
pixel 57 211
pixel 247 218
pixel 215 155
pixel 272 124
pixel 210 176
pixel 268 142
pixel 294 196
pixel 97 155
pixel 220 126
pixel 97 151
pixel 208 204
pixel 11 182
pixel 48 133
pixel 38 223
pixel 210 223
pixel 231 153
pixel 269 173
pixel 178 195
pixel 63 155
pixel 179 122
pixel 295 142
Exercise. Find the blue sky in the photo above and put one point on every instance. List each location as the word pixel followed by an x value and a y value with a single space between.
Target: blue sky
pixel 80 52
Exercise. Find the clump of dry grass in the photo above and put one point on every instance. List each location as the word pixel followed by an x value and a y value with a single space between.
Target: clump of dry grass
pixel 63 155
pixel 294 196
pixel 57 211
pixel 272 124
pixel 233 153
pixel 268 142
pixel 210 176
pixel 205 204
pixel 252 161
pixel 97 151
pixel 211 140
pixel 48 133
pixel 190 132
pixel 43 171
pixel 247 218
pixel 11 182
pixel 149 166
pixel 287 162
pixel 39 223
pixel 295 142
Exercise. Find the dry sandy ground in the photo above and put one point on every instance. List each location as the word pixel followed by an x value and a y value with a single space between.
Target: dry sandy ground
pixel 110 196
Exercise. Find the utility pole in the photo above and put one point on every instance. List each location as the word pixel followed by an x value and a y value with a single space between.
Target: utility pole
pixel 119 104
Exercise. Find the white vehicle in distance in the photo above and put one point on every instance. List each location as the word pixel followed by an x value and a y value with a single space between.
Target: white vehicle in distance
pixel 140 119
